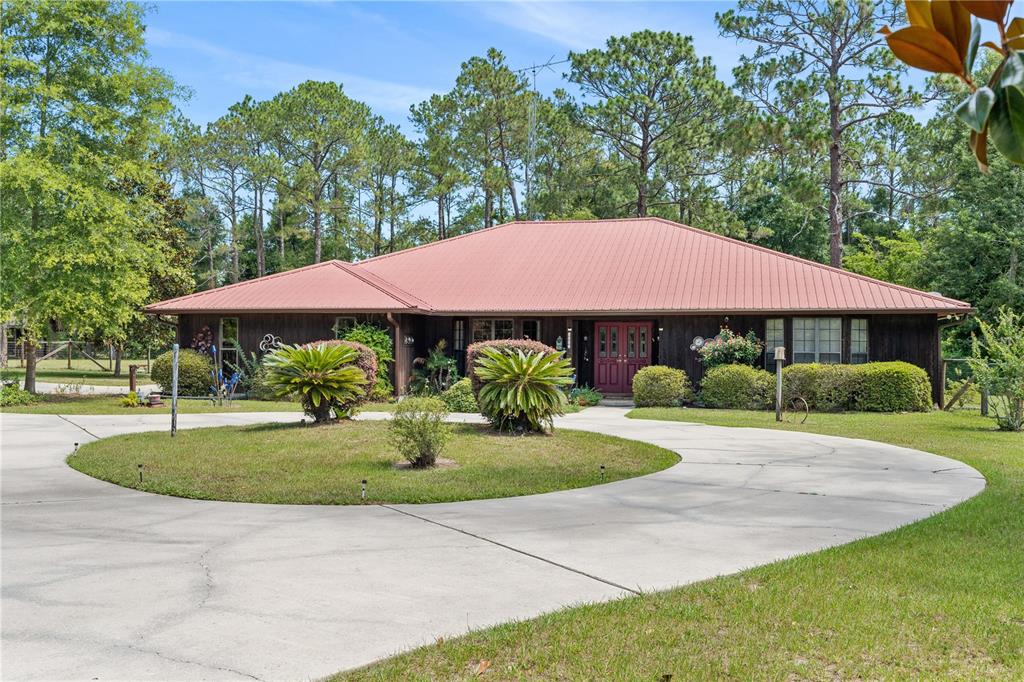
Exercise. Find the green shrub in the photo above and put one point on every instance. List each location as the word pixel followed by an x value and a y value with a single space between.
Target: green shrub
pixel 366 360
pixel 12 395
pixel 131 400
pixel 433 374
pixel 379 341
pixel 729 348
pixel 826 388
pixel 419 431
pixel 459 396
pixel 521 391
pixel 892 387
pixel 997 361
pixel 195 372
pixel 738 387
pixel 323 377
pixel 660 386
pixel 585 396
pixel 474 351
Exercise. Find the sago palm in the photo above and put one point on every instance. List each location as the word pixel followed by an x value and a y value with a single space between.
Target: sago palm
pixel 522 391
pixel 321 376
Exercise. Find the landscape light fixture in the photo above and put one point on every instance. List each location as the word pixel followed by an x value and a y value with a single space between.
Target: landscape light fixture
pixel 140 474
pixel 364 488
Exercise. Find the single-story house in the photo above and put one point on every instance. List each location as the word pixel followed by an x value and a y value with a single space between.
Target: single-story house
pixel 616 295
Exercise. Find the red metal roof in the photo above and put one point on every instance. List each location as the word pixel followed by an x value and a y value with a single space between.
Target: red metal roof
pixel 325 287
pixel 636 265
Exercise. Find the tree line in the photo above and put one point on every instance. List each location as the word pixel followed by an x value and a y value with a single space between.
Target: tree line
pixel 819 148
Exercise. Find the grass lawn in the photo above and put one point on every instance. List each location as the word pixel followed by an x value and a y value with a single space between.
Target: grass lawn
pixel 940 599
pixel 111 404
pixel 55 371
pixel 291 464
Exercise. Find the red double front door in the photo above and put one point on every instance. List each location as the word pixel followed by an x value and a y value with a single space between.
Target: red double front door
pixel 621 349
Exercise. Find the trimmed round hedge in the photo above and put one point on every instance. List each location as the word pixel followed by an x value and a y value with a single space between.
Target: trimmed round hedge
pixel 871 387
pixel 195 369
pixel 661 386
pixel 737 387
pixel 459 396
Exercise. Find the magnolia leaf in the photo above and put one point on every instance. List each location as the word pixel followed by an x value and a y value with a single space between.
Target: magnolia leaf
pixel 1006 124
pixel 992 46
pixel 972 49
pixel 919 13
pixel 1015 34
pixel 482 667
pixel 993 10
pixel 975 109
pixel 979 145
pixel 1013 72
pixel 953 21
pixel 926 49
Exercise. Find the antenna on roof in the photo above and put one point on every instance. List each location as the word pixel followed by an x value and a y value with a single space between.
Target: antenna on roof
pixel 531 146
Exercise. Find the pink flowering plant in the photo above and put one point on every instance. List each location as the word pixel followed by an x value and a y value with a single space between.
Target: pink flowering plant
pixel 729 348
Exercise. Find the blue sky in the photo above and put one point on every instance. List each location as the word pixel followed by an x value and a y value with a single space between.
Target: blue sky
pixel 391 55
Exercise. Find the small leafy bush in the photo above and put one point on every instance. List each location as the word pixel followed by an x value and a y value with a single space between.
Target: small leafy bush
pixel 660 386
pixel 323 377
pixel 366 361
pixel 826 388
pixel 379 341
pixel 433 374
pixel 459 396
pixel 195 372
pixel 729 348
pixel 131 400
pixel 891 387
pixel 475 350
pixel 997 361
pixel 419 431
pixel 12 395
pixel 521 391
pixel 738 387
pixel 585 396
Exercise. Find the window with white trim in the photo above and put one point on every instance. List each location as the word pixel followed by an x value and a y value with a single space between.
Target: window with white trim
pixel 459 334
pixel 488 330
pixel 229 343
pixel 858 341
pixel 774 335
pixel 818 339
pixel 531 330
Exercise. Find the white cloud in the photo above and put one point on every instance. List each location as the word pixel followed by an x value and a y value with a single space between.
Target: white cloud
pixel 577 26
pixel 267 75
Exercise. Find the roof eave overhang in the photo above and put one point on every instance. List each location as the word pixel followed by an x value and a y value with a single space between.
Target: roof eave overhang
pixel 275 311
pixel 710 311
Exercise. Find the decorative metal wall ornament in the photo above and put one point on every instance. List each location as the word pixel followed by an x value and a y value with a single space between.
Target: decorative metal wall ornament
pixel 697 343
pixel 269 343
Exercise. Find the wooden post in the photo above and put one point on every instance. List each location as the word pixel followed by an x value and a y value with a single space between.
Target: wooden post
pixel 174 391
pixel 132 385
pixel 69 353
pixel 780 357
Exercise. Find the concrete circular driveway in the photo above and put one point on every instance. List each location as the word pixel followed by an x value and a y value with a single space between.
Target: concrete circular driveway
pixel 102 582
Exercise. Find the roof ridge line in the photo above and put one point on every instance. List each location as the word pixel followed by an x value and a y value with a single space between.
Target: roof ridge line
pixel 806 261
pixel 196 294
pixel 350 269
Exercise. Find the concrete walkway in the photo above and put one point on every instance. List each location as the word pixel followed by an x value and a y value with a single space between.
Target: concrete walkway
pixel 102 582
pixel 92 389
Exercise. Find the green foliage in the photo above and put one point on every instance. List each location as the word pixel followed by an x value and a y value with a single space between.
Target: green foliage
pixel 11 394
pixel 660 386
pixel 585 396
pixel 826 388
pixel 131 400
pixel 997 361
pixel 433 374
pixel 195 372
pixel 475 350
pixel 419 431
pixel 738 387
pixel 892 387
pixel 82 227
pixel 897 260
pixel 459 396
pixel 729 348
pixel 521 391
pixel 366 360
pixel 323 377
pixel 379 341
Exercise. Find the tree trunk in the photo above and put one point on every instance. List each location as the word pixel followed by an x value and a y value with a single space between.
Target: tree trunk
pixel 440 217
pixel 29 349
pixel 317 241
pixel 488 208
pixel 118 351
pixel 261 256
pixel 3 345
pixel 835 187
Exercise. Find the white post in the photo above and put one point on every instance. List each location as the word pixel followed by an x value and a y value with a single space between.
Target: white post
pixel 780 357
pixel 174 391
